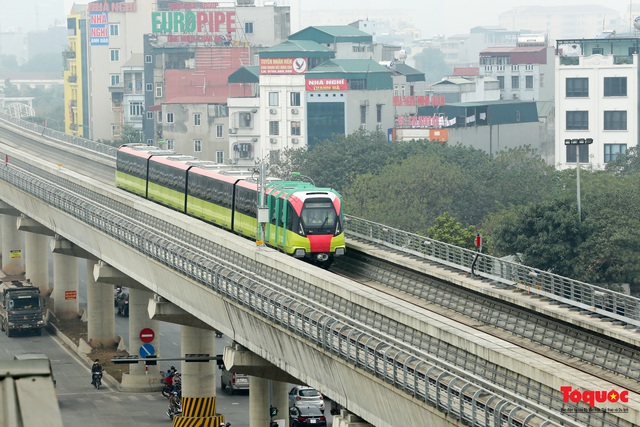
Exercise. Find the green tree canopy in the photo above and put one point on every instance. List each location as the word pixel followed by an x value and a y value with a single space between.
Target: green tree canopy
pixel 431 62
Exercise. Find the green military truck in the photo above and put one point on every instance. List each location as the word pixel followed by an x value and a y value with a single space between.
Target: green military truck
pixel 20 308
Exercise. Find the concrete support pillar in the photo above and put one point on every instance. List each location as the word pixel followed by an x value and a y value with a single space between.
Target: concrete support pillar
pixel 12 247
pixel 140 376
pixel 347 419
pixel 198 379
pixel 37 260
pixel 259 402
pixel 101 327
pixel 280 400
pixel 65 286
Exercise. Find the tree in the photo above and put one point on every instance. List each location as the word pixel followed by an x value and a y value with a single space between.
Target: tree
pixel 431 62
pixel 626 163
pixel 447 229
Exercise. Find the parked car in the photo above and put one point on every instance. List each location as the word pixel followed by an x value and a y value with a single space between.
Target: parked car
pixel 122 304
pixel 306 396
pixel 302 416
pixel 233 381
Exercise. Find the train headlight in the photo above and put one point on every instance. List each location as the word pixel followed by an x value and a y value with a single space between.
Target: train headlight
pixel 299 253
pixel 339 251
pixel 322 257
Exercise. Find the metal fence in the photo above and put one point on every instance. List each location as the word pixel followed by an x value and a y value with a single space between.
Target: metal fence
pixel 604 302
pixel 416 374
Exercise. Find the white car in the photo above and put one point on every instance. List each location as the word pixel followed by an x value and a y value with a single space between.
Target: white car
pixel 306 396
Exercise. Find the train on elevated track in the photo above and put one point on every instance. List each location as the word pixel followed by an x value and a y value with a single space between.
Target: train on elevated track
pixel 303 220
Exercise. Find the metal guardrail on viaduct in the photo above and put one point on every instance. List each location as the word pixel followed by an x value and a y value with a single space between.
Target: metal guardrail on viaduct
pixel 415 373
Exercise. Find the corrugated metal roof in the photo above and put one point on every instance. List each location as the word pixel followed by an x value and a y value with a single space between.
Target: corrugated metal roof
pixel 454 81
pixel 246 74
pixel 295 48
pixel 407 70
pixel 350 66
pixel 332 34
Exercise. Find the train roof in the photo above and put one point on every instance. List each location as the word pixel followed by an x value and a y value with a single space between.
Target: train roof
pixel 145 150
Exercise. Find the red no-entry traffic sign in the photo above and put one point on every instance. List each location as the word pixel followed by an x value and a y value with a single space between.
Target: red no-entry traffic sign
pixel 147 335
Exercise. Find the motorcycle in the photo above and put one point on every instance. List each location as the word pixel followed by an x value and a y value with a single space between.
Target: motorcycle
pixel 96 380
pixel 167 389
pixel 174 410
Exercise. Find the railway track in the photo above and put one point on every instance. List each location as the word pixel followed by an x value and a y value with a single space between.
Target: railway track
pixel 599 356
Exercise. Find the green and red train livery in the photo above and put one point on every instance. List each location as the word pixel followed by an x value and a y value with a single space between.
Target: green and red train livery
pixel 304 221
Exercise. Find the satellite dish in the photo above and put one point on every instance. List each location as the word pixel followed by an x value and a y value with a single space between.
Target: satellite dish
pixel 636 23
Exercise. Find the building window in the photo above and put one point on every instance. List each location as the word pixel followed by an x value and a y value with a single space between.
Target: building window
pixel 615 86
pixel 577 120
pixel 159 116
pixel 612 151
pixel 170 144
pixel 115 79
pixel 114 55
pixel 528 82
pixel 169 117
pixel 597 51
pixel 501 82
pixel 515 82
pixel 295 99
pixel 379 113
pixel 219 133
pixel 615 120
pixel 396 90
pixel 114 30
pixel 244 120
pixel 274 127
pixel 135 109
pixel 149 141
pixel 572 151
pixel 149 87
pixel 295 128
pixel 273 99
pixel 159 90
pixel 248 27
pixel 361 84
pixel 148 59
pixel 220 157
pixel 577 87
pixel 363 114
pixel 197 119
pixel 150 115
pixel 197 145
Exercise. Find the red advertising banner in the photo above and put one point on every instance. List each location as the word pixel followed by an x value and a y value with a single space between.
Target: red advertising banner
pixel 283 65
pixel 325 84
pixel 418 101
pixel 70 295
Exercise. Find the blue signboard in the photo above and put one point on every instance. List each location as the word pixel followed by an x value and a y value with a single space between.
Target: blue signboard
pixel 99 28
pixel 147 350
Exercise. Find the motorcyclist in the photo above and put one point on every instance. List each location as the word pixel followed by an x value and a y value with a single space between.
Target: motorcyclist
pixel 174 404
pixel 96 369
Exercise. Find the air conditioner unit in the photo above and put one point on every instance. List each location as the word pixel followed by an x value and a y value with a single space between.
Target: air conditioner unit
pixel 294 140
pixel 294 111
pixel 516 96
pixel 255 110
pixel 233 161
pixel 273 140
pixel 233 131
pixel 254 139
pixel 273 111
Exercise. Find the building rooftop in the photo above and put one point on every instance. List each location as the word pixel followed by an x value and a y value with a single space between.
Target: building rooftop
pixel 294 48
pixel 246 74
pixel 350 66
pixel 332 34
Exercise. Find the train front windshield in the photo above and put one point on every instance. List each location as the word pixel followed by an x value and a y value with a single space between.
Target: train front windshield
pixel 319 217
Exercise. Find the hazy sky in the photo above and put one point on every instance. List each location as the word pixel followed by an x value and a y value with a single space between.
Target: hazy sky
pixel 454 16
pixel 434 17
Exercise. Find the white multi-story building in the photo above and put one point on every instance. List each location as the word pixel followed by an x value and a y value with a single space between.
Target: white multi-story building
pixel 524 72
pixel 596 99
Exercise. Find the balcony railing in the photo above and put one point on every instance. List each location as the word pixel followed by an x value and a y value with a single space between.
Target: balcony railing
pixel 622 59
pixel 569 60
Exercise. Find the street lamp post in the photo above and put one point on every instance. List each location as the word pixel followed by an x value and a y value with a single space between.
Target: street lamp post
pixel 578 142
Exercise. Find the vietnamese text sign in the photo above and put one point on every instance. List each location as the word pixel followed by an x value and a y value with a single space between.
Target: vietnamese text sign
pixel 325 84
pixel 99 28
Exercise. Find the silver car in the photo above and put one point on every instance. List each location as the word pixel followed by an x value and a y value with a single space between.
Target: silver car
pixel 303 396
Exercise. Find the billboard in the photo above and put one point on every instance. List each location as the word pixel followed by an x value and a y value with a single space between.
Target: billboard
pixel 313 85
pixel 99 28
pixel 283 65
